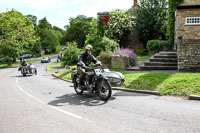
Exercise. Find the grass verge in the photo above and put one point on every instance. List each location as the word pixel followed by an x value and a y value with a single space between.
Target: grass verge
pixel 16 64
pixel 51 66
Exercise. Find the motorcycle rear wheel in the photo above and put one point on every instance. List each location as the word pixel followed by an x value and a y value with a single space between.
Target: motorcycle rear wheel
pixel 77 88
pixel 104 90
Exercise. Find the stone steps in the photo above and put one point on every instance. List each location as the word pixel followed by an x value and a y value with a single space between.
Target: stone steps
pixel 161 61
pixel 164 56
pixel 167 53
pixel 158 67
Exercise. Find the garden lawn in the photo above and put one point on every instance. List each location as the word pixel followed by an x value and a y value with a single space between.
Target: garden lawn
pixel 143 57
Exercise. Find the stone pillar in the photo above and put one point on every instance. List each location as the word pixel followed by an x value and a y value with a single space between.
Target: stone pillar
pixel 189 55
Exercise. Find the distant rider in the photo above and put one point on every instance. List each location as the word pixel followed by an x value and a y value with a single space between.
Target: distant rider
pixel 24 63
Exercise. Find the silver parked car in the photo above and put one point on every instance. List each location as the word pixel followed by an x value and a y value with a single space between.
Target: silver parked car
pixel 45 60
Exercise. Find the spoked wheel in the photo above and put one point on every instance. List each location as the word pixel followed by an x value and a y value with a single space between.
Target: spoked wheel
pixel 104 90
pixel 23 71
pixel 35 71
pixel 77 88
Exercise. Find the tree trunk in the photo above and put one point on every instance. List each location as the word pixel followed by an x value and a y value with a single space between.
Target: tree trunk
pixel 9 62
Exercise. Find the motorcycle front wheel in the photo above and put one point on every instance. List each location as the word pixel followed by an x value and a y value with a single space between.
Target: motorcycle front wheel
pixel 104 90
pixel 77 88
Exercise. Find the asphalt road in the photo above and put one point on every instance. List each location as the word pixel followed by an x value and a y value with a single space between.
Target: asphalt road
pixel 44 104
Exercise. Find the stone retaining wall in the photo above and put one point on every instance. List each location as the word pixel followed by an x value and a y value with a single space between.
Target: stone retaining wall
pixel 120 61
pixel 190 2
pixel 189 55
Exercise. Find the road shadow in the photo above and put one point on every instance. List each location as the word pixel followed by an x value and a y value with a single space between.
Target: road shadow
pixel 87 99
pixel 22 76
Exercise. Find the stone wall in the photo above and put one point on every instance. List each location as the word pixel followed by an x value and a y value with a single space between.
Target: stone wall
pixel 191 2
pixel 120 61
pixel 189 55
pixel 187 31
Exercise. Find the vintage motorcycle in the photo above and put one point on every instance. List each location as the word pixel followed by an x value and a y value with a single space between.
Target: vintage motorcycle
pixel 30 69
pixel 97 80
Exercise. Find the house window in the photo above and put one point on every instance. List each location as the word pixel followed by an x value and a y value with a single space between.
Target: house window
pixel 192 21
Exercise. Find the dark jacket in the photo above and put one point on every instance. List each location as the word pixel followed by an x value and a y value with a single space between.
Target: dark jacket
pixel 86 59
pixel 24 63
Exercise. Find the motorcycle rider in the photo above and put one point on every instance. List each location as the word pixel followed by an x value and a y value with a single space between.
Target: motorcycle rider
pixel 84 61
pixel 24 63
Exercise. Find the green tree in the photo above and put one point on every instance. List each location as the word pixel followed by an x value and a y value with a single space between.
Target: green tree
pixel 48 39
pixel 43 23
pixel 94 37
pixel 71 54
pixel 171 19
pixel 77 30
pixel 59 30
pixel 16 34
pixel 151 16
pixel 120 24
pixel 33 19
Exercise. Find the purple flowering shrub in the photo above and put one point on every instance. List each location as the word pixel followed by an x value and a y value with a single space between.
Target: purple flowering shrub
pixel 126 51
pixel 130 53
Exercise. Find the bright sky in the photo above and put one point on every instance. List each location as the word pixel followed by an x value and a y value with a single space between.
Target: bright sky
pixel 58 12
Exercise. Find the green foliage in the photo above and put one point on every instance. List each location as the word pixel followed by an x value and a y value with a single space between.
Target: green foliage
pixel 156 44
pixel 49 39
pixel 97 40
pixel 120 24
pixel 16 34
pixel 171 19
pixel 77 30
pixel 43 23
pixel 71 54
pixel 33 19
pixel 59 30
pixel 108 44
pixel 94 37
pixel 151 16
pixel 105 57
pixel 141 52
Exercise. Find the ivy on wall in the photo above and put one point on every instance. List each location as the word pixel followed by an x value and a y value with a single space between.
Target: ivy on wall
pixel 171 19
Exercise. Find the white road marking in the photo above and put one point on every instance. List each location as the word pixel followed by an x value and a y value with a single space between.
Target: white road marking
pixel 60 110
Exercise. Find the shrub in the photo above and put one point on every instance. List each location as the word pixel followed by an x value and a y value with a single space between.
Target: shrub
pixel 120 24
pixel 109 44
pixel 71 54
pixel 105 57
pixel 156 44
pixel 128 52
pixel 141 51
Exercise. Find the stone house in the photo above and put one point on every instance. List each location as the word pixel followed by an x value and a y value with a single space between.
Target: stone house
pixel 187 37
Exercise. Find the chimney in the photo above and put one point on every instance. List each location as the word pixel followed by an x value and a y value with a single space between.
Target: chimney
pixel 135 2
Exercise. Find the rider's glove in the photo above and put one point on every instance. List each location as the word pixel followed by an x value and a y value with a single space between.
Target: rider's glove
pixel 98 63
